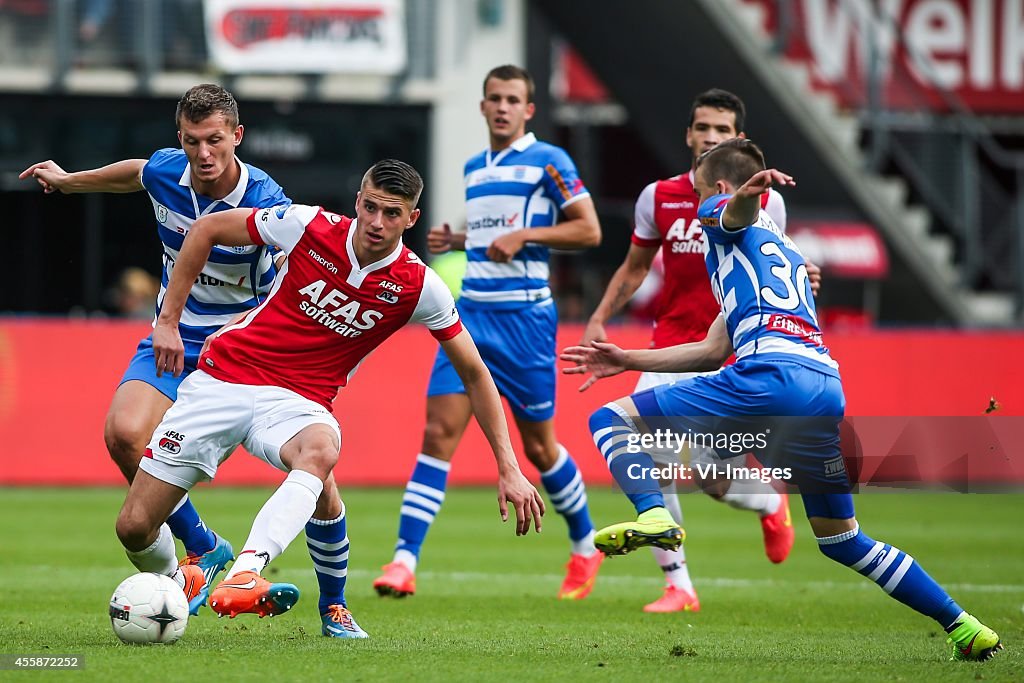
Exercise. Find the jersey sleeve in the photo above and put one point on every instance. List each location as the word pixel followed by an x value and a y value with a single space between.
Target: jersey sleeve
pixel 281 226
pixel 645 231
pixel 562 182
pixel 271 194
pixel 436 308
pixel 776 209
pixel 159 158
pixel 710 216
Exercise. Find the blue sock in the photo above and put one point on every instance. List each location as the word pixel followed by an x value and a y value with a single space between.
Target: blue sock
pixel 568 495
pixel 897 573
pixel 327 541
pixel 186 525
pixel 611 428
pixel 424 494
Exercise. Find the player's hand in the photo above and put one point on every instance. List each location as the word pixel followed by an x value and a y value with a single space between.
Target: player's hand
pixel 813 276
pixel 206 343
pixel 503 248
pixel 168 350
pixel 594 331
pixel 439 239
pixel 49 175
pixel 601 359
pixel 760 182
pixel 514 488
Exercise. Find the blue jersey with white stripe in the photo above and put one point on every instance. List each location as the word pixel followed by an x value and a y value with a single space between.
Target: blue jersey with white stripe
pixel 235 279
pixel 759 278
pixel 525 185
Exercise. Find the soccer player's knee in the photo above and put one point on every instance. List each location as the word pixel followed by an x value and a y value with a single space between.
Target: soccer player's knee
pixel 133 527
pixel 541 454
pixel 126 438
pixel 437 436
pixel 318 458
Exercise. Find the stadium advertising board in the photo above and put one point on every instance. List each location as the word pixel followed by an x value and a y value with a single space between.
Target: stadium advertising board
pixel 898 408
pixel 844 249
pixel 973 48
pixel 347 36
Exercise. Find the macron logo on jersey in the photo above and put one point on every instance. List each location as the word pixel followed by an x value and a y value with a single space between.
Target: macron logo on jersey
pixel 323 262
pixel 331 311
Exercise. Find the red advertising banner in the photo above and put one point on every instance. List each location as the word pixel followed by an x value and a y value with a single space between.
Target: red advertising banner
pixel 974 48
pixel 57 377
pixel 325 36
pixel 844 249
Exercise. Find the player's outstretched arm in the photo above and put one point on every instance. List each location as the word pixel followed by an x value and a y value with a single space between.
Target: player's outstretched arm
pixel 119 177
pixel 606 360
pixel 579 230
pixel 225 227
pixel 513 487
pixel 623 285
pixel 745 205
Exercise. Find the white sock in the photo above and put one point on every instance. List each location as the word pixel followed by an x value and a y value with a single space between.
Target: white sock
pixel 406 558
pixel 280 520
pixel 585 546
pixel 673 564
pixel 753 495
pixel 159 557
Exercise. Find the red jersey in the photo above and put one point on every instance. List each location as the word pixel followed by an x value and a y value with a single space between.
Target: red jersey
pixel 666 215
pixel 325 313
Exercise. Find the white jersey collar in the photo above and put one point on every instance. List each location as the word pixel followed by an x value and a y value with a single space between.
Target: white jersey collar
pixel 234 198
pixel 356 274
pixel 520 145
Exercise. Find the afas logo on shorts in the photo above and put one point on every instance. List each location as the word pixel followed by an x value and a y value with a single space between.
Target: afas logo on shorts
pixel 170 441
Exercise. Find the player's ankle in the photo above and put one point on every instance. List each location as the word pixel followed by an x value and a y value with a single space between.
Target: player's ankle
pixel 656 514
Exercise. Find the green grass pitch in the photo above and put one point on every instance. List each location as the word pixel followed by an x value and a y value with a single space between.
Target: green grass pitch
pixel 486 608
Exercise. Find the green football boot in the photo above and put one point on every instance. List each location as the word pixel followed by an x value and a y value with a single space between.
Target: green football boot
pixel 653 527
pixel 972 641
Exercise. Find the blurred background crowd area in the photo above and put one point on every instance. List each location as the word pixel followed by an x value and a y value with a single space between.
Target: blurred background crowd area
pixel 903 121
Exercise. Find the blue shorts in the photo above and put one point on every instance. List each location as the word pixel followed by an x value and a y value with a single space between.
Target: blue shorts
pixel 785 413
pixel 518 347
pixel 143 368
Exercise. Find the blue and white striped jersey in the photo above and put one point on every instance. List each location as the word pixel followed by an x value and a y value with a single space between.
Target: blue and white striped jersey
pixel 524 185
pixel 235 279
pixel 759 277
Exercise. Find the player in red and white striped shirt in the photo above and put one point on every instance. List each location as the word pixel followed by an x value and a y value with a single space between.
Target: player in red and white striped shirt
pixel 268 380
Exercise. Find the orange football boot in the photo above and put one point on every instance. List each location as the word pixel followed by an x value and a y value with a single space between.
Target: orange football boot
pixel 778 532
pixel 581 572
pixel 249 593
pixel 397 580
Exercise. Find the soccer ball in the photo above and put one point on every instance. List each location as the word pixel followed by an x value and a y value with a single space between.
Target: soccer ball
pixel 148 608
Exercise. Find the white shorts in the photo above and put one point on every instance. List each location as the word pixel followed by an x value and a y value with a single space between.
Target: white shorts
pixel 687 456
pixel 212 417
